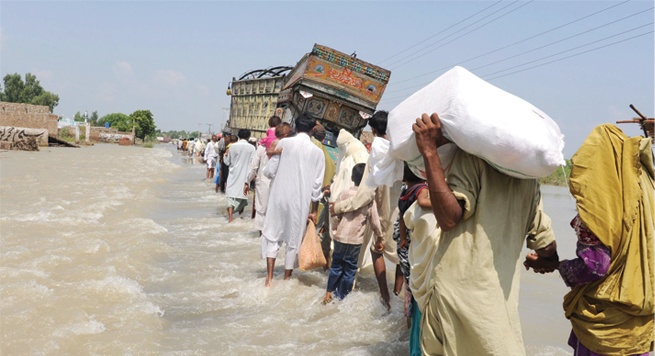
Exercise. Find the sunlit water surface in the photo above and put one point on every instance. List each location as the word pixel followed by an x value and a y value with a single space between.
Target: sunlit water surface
pixel 126 250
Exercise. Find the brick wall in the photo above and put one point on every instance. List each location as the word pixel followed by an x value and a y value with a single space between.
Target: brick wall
pixel 10 135
pixel 28 116
pixel 99 133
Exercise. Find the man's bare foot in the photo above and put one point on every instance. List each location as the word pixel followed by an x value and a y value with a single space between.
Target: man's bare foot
pixel 267 283
pixel 287 274
pixel 327 299
pixel 385 303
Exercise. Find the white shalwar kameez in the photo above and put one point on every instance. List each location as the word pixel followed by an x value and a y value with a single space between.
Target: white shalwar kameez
pixel 211 155
pixel 297 177
pixel 238 159
pixel 262 184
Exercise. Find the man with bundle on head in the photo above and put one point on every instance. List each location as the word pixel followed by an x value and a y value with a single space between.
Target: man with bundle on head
pixel 296 180
pixel 469 297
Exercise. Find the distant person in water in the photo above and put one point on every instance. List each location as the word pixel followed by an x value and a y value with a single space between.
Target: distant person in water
pixel 211 156
pixel 225 170
pixel 238 160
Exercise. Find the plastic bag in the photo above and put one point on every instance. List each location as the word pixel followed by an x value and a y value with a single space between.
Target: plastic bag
pixel 310 253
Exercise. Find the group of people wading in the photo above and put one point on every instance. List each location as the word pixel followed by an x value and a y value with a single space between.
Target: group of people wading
pixel 457 235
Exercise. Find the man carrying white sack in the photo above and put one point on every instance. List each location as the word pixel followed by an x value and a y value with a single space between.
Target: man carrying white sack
pixel 471 290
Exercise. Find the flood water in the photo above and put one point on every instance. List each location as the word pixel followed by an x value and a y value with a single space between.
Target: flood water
pixel 113 250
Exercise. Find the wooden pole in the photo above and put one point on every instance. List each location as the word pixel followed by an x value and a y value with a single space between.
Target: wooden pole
pixel 642 121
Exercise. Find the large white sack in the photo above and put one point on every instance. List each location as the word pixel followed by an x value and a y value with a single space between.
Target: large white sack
pixel 511 134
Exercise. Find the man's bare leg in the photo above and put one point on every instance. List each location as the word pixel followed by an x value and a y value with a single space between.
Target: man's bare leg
pixel 380 270
pixel 229 214
pixel 270 265
pixel 287 273
pixel 400 279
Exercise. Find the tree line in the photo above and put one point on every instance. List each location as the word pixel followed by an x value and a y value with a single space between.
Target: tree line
pixel 141 120
pixel 30 91
pixel 179 134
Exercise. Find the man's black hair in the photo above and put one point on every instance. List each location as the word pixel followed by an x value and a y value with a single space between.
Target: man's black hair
pixel 274 121
pixel 379 122
pixel 409 176
pixel 358 173
pixel 304 123
pixel 244 134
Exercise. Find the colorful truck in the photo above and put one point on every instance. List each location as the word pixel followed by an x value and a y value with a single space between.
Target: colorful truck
pixel 339 90
pixel 253 99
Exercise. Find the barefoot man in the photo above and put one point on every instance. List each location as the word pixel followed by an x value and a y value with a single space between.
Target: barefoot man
pixel 297 177
pixel 211 157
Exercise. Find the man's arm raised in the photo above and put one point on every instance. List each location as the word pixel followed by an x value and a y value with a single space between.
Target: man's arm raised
pixel 445 206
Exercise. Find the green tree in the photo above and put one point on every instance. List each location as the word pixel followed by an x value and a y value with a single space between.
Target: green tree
pixel 28 92
pixel 78 117
pixel 94 120
pixel 560 176
pixel 118 121
pixel 144 122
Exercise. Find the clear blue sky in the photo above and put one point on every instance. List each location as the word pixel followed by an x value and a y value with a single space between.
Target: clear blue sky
pixel 582 62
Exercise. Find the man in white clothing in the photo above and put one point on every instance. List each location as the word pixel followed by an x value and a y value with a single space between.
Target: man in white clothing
pixel 211 156
pixel 238 160
pixel 297 177
pixel 262 184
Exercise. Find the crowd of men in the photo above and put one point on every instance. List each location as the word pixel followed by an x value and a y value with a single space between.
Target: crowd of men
pixel 465 252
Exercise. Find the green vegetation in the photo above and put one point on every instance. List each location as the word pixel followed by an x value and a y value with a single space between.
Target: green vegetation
pixel 178 134
pixel 93 118
pixel 141 120
pixel 559 177
pixel 64 135
pixel 149 141
pixel 144 122
pixel 118 121
pixel 26 92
